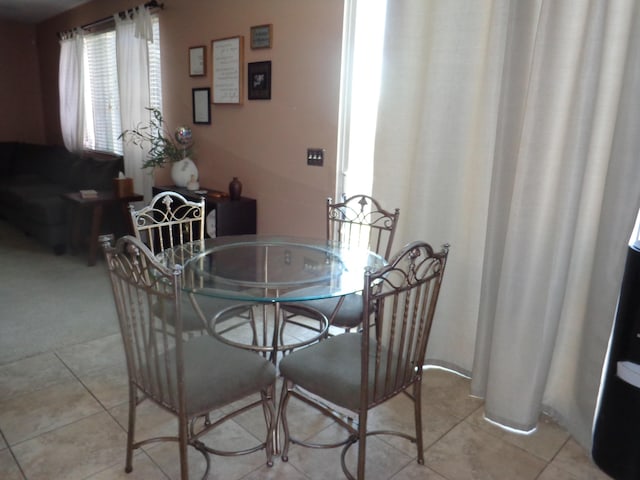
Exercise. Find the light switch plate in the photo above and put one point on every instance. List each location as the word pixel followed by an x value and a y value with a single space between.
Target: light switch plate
pixel 315 157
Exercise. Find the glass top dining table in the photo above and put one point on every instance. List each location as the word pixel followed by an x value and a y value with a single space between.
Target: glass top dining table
pixel 268 270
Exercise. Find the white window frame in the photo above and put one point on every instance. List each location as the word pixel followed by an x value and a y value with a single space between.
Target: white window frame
pixel 362 45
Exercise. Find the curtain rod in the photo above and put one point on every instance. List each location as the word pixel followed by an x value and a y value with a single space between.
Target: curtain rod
pixel 152 4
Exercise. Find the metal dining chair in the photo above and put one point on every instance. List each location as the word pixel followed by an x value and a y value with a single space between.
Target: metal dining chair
pixel 189 378
pixel 170 221
pixel 358 221
pixel 359 371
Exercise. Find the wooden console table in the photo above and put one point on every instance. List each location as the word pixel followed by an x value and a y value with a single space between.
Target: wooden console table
pixel 96 205
pixel 232 217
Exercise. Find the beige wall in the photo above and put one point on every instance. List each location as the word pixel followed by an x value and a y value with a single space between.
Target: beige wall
pixel 20 98
pixel 262 142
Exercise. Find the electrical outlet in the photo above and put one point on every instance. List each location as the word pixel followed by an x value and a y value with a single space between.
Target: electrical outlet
pixel 315 157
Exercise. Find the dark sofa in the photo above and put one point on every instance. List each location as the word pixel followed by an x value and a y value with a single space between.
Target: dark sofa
pixel 32 179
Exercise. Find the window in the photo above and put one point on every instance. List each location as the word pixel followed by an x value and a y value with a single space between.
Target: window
pixel 360 90
pixel 102 100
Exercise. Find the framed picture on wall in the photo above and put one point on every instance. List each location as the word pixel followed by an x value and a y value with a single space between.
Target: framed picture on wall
pixel 261 36
pixel 197 61
pixel 259 81
pixel 201 98
pixel 227 69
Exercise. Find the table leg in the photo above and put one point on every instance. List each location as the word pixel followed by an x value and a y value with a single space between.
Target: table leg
pixel 126 215
pixel 276 333
pixel 76 228
pixel 96 223
pixel 274 359
pixel 265 329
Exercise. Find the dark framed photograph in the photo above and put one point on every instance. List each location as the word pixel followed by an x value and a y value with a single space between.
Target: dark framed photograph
pixel 197 61
pixel 261 36
pixel 259 81
pixel 201 98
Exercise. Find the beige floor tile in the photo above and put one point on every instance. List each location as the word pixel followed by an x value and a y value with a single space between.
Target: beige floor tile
pixel 57 431
pixel 280 471
pixel 413 471
pixel 382 460
pixel 74 451
pixel 29 415
pixel 305 421
pixel 252 420
pixel 143 469
pixel 31 374
pixel 151 420
pixel 229 436
pixel 292 334
pixel 88 358
pixel 552 472
pixel 545 442
pixel 109 385
pixel 397 414
pixel 467 452
pixel 575 460
pixel 448 391
pixel 8 467
pixel 297 333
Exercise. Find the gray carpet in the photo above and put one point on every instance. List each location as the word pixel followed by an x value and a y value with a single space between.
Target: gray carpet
pixel 48 301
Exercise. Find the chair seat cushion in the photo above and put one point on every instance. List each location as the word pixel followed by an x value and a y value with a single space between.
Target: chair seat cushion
pixel 191 321
pixel 216 374
pixel 331 369
pixel 348 316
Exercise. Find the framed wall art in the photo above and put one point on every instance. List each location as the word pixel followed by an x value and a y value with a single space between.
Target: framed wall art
pixel 261 36
pixel 227 62
pixel 197 61
pixel 259 81
pixel 201 98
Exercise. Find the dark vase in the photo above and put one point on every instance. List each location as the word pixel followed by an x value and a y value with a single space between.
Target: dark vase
pixel 235 189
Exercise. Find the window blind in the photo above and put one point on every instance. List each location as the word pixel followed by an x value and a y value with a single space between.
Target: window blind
pixel 102 100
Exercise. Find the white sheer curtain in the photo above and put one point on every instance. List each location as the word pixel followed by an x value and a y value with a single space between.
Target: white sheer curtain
pixel 510 129
pixel 132 54
pixel 71 91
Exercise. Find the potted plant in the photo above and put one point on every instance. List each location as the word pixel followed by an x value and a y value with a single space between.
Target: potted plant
pixel 164 148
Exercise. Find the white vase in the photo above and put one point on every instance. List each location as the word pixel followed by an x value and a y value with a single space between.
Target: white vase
pixel 182 172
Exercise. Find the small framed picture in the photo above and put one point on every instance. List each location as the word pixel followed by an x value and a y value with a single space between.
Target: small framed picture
pixel 201 105
pixel 259 76
pixel 261 36
pixel 197 61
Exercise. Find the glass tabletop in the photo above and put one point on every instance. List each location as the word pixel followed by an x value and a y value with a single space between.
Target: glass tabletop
pixel 263 268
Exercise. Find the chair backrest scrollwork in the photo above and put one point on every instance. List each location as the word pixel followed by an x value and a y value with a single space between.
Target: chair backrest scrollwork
pixel 153 353
pixel 400 300
pixel 360 221
pixel 168 221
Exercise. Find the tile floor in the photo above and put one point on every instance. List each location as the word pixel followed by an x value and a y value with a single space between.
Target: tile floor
pixel 63 416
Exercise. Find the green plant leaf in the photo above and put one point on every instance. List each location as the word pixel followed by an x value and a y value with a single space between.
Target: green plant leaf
pixel 163 148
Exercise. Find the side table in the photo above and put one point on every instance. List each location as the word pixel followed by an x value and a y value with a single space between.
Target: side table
pixel 96 205
pixel 233 217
